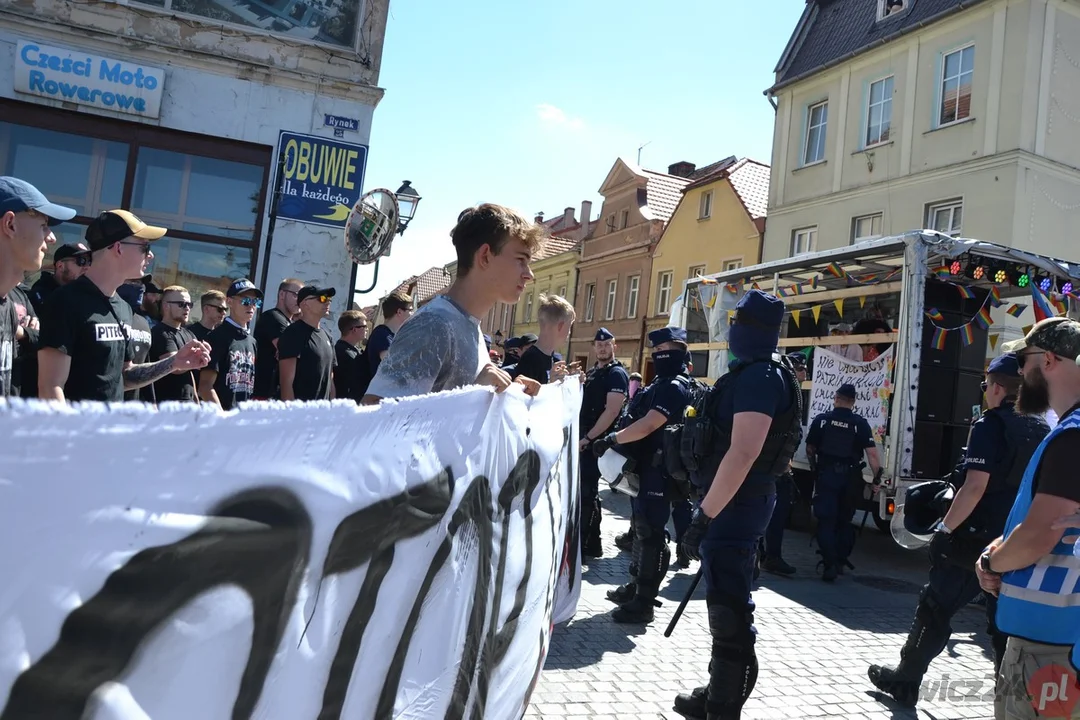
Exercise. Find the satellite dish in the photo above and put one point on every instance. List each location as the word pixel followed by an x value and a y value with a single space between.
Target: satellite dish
pixel 372 226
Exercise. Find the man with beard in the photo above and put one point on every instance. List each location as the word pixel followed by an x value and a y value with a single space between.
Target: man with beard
pixel 998 450
pixel 1030 567
pixel 659 405
pixel 166 339
pixel 69 262
pixel 605 390
pixel 150 307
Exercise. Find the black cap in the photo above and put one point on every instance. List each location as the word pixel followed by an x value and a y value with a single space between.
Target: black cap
pixel 148 283
pixel 242 285
pixel 312 291
pixel 847 390
pixel 69 251
pixel 528 339
pixel 112 226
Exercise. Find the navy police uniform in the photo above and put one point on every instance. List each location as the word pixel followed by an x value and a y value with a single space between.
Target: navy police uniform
pixel 839 438
pixel 1001 443
pixel 727 544
pixel 600 381
pixel 668 394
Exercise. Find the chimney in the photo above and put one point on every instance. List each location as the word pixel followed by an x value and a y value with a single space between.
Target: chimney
pixel 568 217
pixel 539 217
pixel 682 169
pixel 586 218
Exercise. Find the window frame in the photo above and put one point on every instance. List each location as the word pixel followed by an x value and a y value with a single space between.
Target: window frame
pixel 866 143
pixel 879 216
pixel 952 205
pixel 610 297
pixel 698 269
pixel 528 307
pixel 797 232
pixel 633 292
pixel 624 219
pixel 939 106
pixel 663 294
pixel 808 127
pixel 881 16
pixel 705 205
pixel 590 301
pixel 732 264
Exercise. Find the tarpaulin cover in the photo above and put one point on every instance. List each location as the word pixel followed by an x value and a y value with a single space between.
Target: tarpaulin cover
pixel 286 561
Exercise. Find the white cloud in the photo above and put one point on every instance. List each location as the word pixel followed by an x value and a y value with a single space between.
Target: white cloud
pixel 557 116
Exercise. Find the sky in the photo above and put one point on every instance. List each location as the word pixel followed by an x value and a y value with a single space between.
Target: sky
pixel 529 104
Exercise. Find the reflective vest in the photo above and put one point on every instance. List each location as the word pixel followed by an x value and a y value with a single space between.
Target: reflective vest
pixel 1042 602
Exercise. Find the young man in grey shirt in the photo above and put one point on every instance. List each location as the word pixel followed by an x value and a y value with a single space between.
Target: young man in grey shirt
pixel 442 347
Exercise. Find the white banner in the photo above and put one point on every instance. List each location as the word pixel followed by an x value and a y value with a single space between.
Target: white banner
pixel 872 381
pixel 317 561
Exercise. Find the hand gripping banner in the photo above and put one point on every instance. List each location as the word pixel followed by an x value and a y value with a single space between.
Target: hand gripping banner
pixel 320 561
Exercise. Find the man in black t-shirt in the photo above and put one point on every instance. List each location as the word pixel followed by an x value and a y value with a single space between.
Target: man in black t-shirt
pixel 214 312
pixel 26 221
pixel 229 378
pixel 69 262
pixel 267 332
pixel 167 337
pixel 138 337
pixel 555 315
pixel 396 309
pixel 85 348
pixel 353 326
pixel 306 354
pixel 24 369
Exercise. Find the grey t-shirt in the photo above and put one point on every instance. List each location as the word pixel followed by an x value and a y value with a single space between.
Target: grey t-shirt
pixel 439 348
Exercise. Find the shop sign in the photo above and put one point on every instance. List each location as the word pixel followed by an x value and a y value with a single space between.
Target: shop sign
pixel 78 77
pixel 322 178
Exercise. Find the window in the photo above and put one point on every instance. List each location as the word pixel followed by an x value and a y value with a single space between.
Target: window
pixel 562 291
pixel 817 117
pixel 611 223
pixel 732 264
pixel 609 305
pixel 890 8
pixel 590 301
pixel 705 208
pixel 210 198
pixel 804 240
pixel 663 297
pixel 332 23
pixel 957 69
pixel 632 285
pixel 946 217
pixel 528 307
pixel 625 218
pixel 866 227
pixel 879 112
pixel 696 271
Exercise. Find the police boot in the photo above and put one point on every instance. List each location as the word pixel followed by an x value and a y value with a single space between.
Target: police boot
pixel 682 560
pixel 733 670
pixel 653 566
pixel 694 704
pixel 625 593
pixel 592 547
pixel 777 566
pixel 925 640
pixel 626 540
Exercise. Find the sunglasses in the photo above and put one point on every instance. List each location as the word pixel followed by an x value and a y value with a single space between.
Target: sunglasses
pixel 144 246
pixel 320 298
pixel 181 303
pixel 219 308
pixel 1021 358
pixel 249 302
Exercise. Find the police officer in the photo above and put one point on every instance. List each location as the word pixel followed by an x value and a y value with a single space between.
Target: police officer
pixel 661 404
pixel 605 392
pixel 757 418
pixel 999 447
pixel 834 446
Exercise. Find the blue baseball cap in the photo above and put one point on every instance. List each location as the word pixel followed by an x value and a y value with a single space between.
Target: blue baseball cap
pixel 667 334
pixel 514 342
pixel 19 196
pixel 602 335
pixel 847 390
pixel 1004 365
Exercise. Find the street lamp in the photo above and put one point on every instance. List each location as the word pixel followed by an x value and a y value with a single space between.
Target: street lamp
pixel 407 199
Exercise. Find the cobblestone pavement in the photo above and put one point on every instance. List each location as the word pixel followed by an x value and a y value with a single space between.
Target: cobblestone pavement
pixel 814 644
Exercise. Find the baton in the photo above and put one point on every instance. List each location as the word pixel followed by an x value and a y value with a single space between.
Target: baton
pixel 682 605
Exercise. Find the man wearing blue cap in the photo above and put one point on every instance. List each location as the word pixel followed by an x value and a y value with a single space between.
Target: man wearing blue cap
pixel 1001 443
pixel 835 443
pixel 659 405
pixel 755 413
pixel 602 399
pixel 26 222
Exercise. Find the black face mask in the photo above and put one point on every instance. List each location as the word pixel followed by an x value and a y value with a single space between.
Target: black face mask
pixel 669 362
pixel 1034 395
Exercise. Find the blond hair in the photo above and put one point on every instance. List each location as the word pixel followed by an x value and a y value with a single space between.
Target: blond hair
pixel 492 225
pixel 556 309
pixel 211 295
pixel 175 289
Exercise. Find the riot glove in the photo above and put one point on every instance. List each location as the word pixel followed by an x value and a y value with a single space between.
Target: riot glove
pixel 878 474
pixel 602 445
pixel 691 542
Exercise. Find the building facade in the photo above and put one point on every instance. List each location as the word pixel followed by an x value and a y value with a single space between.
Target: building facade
pixel 718 225
pixel 616 260
pixel 954 115
pixel 556 271
pixel 177 110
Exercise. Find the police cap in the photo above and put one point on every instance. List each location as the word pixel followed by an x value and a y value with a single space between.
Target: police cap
pixel 760 308
pixel 528 339
pixel 603 334
pixel 667 334
pixel 1004 365
pixel 847 390
pixel 514 342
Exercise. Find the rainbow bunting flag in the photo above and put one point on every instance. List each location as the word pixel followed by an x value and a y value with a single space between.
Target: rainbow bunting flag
pixel 995 296
pixel 867 280
pixel 939 338
pixel 796 290
pixel 814 283
pixel 1041 304
pixel 784 292
pixel 983 318
pixel 966 335
pixel 935 315
pixel 835 270
pixel 942 272
pixel 965 292
pixel 1016 310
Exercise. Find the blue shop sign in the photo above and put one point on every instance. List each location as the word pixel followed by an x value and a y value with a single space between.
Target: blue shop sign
pixel 322 178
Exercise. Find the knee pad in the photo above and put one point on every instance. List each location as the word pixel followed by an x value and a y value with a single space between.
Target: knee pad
pixel 930 610
pixel 731 622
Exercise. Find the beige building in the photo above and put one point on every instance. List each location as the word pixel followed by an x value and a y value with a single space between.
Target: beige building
pixel 955 115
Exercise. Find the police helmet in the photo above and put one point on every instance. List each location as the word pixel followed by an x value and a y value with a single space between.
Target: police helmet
pixel 619 471
pixel 925 505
